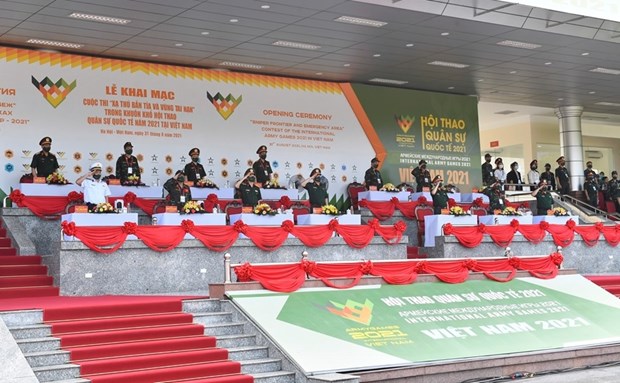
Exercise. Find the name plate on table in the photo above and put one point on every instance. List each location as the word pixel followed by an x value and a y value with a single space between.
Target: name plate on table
pixel 317 210
pixel 189 183
pixel 171 209
pixel 81 209
pixel 114 181
pixel 247 209
pixel 38 180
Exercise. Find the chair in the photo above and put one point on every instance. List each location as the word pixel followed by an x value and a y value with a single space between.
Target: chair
pixel 233 207
pixel 273 203
pixel 405 186
pixel 300 208
pixel 160 206
pixel 353 189
pixel 420 212
pixel 477 210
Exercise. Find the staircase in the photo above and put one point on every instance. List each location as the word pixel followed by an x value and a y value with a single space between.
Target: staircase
pixel 200 344
pixel 22 276
pixel 611 283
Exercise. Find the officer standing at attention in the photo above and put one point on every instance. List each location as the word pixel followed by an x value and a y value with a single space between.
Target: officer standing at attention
pixel 127 164
pixel 96 191
pixel 562 176
pixel 487 169
pixel 548 176
pixel 194 170
pixel 44 162
pixel 544 200
pixel 591 189
pixel 262 167
pixel 372 177
pixel 496 198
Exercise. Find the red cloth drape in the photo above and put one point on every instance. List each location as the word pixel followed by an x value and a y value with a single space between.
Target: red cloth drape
pixel 220 238
pixel 562 235
pixel 468 236
pixel 533 233
pixel 589 234
pixel 44 207
pixel 289 277
pixel 383 210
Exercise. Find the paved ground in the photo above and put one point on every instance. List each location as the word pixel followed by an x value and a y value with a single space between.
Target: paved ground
pixel 593 375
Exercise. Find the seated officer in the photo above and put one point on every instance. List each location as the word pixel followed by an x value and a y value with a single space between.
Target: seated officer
pixel 44 162
pixel 316 194
pixel 177 190
pixel 248 191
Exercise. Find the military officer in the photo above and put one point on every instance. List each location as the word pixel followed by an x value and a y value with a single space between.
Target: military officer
pixel 127 164
pixel 44 162
pixel 487 169
pixel 439 194
pixel 590 187
pixel 372 177
pixel 262 167
pixel 316 194
pixel 548 176
pixel 562 176
pixel 422 176
pixel 194 170
pixel 496 198
pixel 544 200
pixel 248 191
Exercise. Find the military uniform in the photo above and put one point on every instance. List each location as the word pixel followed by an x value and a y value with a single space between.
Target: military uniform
pixel 179 194
pixel 440 200
pixel 496 200
pixel 372 177
pixel 45 163
pixel 127 166
pixel 194 171
pixel 262 170
pixel 487 172
pixel 422 178
pixel 250 194
pixel 316 194
pixel 591 188
pixel 563 177
pixel 549 177
pixel 544 202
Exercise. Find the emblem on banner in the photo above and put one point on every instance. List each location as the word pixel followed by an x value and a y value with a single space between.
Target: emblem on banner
pixel 26 167
pixel 9 168
pixel 354 311
pixel 77 169
pixel 225 106
pixel 26 153
pixel 61 154
pixel 92 155
pixel 54 93
pixel 61 167
pixel 404 122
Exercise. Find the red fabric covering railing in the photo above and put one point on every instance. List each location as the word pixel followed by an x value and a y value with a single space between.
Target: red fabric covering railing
pixel 108 239
pixel 383 210
pixel 290 277
pixel 45 207
pixel 563 235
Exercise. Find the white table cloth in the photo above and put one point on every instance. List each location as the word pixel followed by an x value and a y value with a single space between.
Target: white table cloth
pixel 427 195
pixel 383 195
pixel 139 191
pixel 323 219
pixel 175 219
pixel 276 194
pixel 46 190
pixel 470 197
pixel 203 193
pixel 433 225
pixel 504 219
pixel 92 219
pixel 555 220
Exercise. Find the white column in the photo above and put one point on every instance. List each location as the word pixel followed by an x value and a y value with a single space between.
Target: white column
pixel 571 145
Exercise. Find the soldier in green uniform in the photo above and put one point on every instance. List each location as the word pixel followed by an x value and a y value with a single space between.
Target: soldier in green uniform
pixel 44 162
pixel 487 169
pixel 194 170
pixel 614 189
pixel 127 164
pixel 439 194
pixel 591 189
pixel 544 200
pixel 262 167
pixel 496 198
pixel 179 193
pixel 248 191
pixel 422 176
pixel 316 194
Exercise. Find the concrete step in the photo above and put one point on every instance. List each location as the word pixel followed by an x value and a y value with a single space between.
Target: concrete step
pixel 238 340
pixel 260 365
pixel 47 358
pixel 76 380
pixel 202 305
pixel 248 353
pixel 231 328
pixel 274 377
pixel 212 317
pixel 38 344
pixel 57 372
pixel 31 331
pixel 22 317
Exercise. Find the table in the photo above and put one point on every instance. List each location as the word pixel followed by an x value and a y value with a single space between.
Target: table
pixel 470 197
pixel 203 193
pixel 323 219
pixel 261 220
pixel 46 190
pixel 433 225
pixel 92 219
pixel 427 195
pixel 175 219
pixel 504 219
pixel 383 195
pixel 555 220
pixel 139 191
pixel 276 194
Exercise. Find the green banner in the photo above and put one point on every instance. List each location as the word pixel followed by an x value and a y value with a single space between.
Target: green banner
pixel 426 322
pixel 414 125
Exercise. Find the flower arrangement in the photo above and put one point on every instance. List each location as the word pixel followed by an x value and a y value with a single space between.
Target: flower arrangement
pixel 192 207
pixel 132 180
pixel 558 212
pixel 510 211
pixel 329 210
pixel 458 211
pixel 388 187
pixel 264 209
pixel 56 179
pixel 205 183
pixel 272 184
pixel 103 208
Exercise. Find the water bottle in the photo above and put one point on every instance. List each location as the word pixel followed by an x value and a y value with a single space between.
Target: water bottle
pixel 227 184
pixel 154 221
